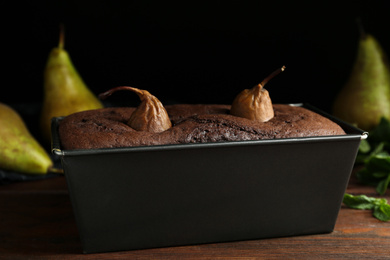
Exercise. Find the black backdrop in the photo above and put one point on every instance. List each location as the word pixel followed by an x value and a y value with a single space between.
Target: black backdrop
pixel 191 51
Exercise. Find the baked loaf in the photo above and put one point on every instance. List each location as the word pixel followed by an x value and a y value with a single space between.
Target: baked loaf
pixel 107 128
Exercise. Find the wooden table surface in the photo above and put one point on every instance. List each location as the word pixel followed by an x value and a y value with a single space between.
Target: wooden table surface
pixel 36 222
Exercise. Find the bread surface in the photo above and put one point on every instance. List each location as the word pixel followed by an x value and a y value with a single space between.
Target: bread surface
pixel 107 127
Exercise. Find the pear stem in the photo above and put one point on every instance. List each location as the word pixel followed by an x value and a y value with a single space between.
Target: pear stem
pixel 61 41
pixel 108 93
pixel 273 74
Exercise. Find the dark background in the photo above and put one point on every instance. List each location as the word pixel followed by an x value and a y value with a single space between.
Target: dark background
pixel 192 51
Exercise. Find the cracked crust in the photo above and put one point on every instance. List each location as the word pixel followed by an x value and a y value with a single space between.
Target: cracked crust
pixel 107 127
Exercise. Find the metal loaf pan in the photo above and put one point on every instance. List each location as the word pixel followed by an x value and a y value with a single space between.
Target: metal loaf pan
pixel 159 196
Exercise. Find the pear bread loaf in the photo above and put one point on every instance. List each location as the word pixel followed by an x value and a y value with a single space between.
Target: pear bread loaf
pixel 251 116
pixel 108 127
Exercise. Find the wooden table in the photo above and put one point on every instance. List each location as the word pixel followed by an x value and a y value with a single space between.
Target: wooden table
pixel 36 222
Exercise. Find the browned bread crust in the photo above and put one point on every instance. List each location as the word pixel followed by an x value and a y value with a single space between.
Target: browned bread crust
pixel 106 128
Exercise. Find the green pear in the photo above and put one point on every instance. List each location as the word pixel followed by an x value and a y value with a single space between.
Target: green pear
pixel 65 92
pixel 365 98
pixel 19 150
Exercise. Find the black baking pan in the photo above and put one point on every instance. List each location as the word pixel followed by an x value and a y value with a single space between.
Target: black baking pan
pixel 170 195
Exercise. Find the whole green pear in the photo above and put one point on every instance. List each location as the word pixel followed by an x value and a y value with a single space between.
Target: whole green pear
pixel 365 98
pixel 19 150
pixel 65 92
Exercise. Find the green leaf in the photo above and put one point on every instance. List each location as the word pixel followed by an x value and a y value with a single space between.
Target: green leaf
pixel 358 202
pixel 374 154
pixel 380 175
pixel 379 148
pixel 375 150
pixel 380 161
pixel 380 208
pixel 383 185
pixel 367 177
pixel 364 146
pixel 382 131
pixel 382 212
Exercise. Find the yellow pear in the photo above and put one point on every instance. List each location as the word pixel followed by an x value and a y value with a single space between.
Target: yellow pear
pixel 365 98
pixel 65 92
pixel 19 150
